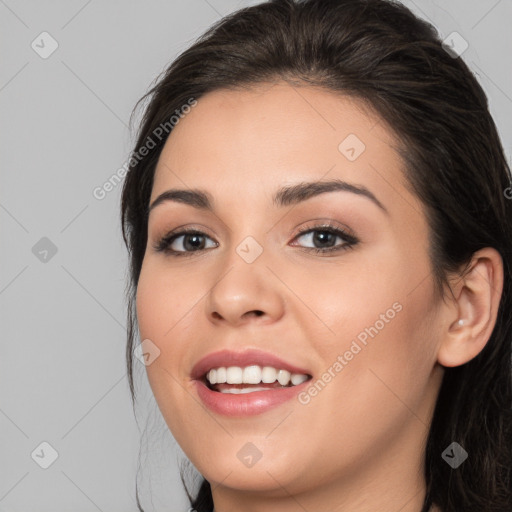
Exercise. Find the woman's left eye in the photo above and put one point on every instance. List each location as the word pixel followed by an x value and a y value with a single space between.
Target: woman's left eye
pixel 326 236
pixel 194 241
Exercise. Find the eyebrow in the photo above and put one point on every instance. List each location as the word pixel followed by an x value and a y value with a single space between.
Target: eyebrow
pixel 285 196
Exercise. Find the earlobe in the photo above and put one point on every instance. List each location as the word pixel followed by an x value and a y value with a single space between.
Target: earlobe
pixel 471 317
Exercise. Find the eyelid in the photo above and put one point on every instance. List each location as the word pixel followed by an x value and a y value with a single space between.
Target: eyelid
pixel 320 223
pixel 166 233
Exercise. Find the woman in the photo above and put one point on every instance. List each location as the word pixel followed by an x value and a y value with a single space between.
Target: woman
pixel 320 245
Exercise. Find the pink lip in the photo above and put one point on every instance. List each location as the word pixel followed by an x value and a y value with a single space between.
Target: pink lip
pixel 247 404
pixel 249 357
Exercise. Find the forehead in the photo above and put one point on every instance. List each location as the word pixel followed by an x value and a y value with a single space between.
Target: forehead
pixel 249 140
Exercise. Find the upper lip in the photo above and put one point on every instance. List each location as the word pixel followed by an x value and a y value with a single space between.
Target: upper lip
pixel 249 357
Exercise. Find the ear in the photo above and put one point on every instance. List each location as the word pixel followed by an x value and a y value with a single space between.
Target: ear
pixel 470 318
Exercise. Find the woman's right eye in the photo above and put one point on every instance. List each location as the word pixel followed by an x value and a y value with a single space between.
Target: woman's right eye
pixel 189 239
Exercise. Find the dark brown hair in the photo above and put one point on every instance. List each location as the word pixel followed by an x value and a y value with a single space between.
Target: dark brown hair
pixel 378 51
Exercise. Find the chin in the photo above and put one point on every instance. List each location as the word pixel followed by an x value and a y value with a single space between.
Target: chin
pixel 263 476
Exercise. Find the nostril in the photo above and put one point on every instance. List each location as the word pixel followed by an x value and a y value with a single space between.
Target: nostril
pixel 256 312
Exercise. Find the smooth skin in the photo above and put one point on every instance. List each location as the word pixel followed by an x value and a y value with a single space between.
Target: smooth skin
pixel 358 445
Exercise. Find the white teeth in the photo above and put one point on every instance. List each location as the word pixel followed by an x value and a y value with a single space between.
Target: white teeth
pixel 221 375
pixel 253 374
pixel 234 375
pixel 239 391
pixel 212 376
pixel 268 375
pixel 298 378
pixel 284 377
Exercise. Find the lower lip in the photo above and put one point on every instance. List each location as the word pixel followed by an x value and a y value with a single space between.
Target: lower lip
pixel 246 404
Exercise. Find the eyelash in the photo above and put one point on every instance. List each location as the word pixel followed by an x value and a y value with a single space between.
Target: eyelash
pixel 350 241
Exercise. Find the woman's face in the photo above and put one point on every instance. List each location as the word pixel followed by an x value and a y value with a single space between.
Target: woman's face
pixel 359 319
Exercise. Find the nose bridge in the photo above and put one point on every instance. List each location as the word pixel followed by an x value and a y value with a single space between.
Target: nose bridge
pixel 245 286
pixel 247 235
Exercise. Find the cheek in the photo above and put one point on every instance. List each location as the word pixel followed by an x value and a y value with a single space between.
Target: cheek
pixel 382 324
pixel 162 306
pixel 391 346
pixel 151 302
pixel 377 372
pixel 164 302
pixel 348 299
pixel 162 312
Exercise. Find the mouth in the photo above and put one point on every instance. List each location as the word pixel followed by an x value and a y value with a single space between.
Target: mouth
pixel 247 383
pixel 250 379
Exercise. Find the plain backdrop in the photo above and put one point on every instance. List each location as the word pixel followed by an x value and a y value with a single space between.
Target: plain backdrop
pixel 64 399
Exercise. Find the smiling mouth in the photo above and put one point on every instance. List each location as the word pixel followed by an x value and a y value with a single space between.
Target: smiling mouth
pixel 250 379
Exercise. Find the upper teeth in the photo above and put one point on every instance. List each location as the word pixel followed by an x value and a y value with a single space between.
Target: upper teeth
pixel 254 375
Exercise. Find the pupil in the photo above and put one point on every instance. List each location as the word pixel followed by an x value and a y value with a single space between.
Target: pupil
pixel 321 236
pixel 194 246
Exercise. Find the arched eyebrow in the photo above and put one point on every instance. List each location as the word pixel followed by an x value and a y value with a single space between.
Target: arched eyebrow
pixel 285 196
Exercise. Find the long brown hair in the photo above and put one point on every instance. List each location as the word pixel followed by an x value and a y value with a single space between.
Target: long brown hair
pixel 379 51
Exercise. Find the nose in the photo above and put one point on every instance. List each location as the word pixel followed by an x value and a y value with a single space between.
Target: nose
pixel 246 292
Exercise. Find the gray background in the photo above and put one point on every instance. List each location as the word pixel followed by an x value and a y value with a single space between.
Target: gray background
pixel 64 133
